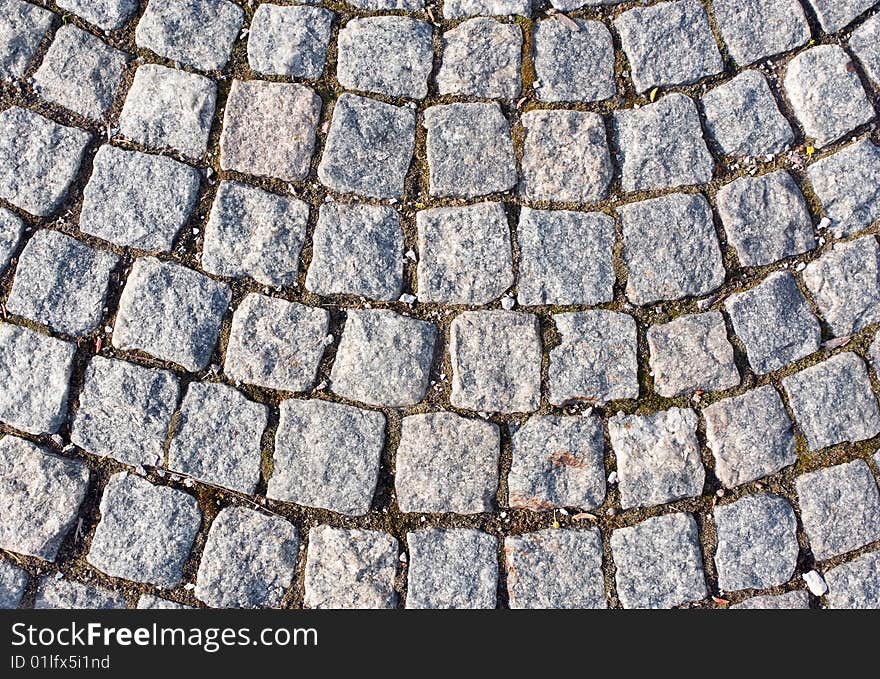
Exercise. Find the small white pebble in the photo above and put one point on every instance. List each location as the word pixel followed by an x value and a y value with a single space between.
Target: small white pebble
pixel 815 583
pixel 189 586
pixel 410 254
pixel 824 224
pixel 406 298
pixel 612 478
pixel 507 303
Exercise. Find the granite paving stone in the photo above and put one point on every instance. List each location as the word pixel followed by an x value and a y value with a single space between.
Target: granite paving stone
pixel 826 94
pixel 573 64
pixel 35 373
pixel 757 29
pixel 774 323
pixel 276 344
pixel 138 200
pixel 750 436
pixel 447 463
pixel 845 284
pixel 81 73
pixel 832 401
pixel 553 569
pixel 40 497
pixel 662 146
pixel 670 248
pixel 457 9
pixel 125 411
pixel 496 361
pixel 856 584
pixel 248 561
pixel 252 233
pixel 369 147
pixel 171 313
pixel 13 581
pixel 835 15
pixel 289 41
pixel 154 603
pixel 357 249
pixel 198 33
pixel 565 257
pixel 557 462
pixel 39 159
pixel 790 600
pixel 61 283
pixel 403 5
pixel 23 25
pixel 658 457
pixel 864 43
pixel 659 562
pixel 765 218
pixel 168 108
pixel 390 55
pixel 327 456
pixel 350 569
pixel 11 230
pixel 452 569
pixel 269 129
pixel 217 437
pixel 106 14
pixel 565 157
pixel 71 595
pixel 691 353
pixel 482 58
pixel 595 361
pixel 384 358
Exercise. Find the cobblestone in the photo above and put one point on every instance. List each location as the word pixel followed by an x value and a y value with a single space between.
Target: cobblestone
pixel 71 595
pixel 573 64
pixel 790 600
pixel 864 43
pixel 834 15
pixel 106 14
pixel 756 29
pixel 23 26
pixel 481 58
pixel 855 585
pixel 13 581
pixel 289 41
pixel 11 229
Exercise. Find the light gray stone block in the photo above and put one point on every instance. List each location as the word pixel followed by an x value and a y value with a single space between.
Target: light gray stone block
pixel 23 26
pixel 835 15
pixel 855 585
pixel 864 43
pixel 71 595
pixel 13 581
pixel 790 600
pixel 289 41
pixel 757 29
pixel 11 229
pixel 573 64
pixel 457 9
pixel 106 14
pixel 482 58
pixel 154 603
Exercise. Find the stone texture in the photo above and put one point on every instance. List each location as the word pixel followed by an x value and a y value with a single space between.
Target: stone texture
pixel 774 323
pixel 565 257
pixel 357 249
pixel 125 411
pixel 71 595
pixel 457 9
pixel 249 560
pixel 595 361
pixel 11 229
pixel 669 43
pixel 835 15
pixel 840 508
pixel 756 29
pixel 81 73
pixel 553 569
pixel 565 157
pixel 405 5
pixel 833 402
pixel 138 200
pixel 855 585
pixel 106 14
pixel 670 248
pixel 22 28
pixel 658 457
pixel 167 108
pixel 145 533
pixel 39 159
pixel 661 145
pixel 452 569
pixel 864 43
pixel 757 542
pixel 826 94
pixel 573 64
pixel 276 344
pixel 496 361
pixel 217 437
pixel 384 358
pixel 327 456
pixel 845 284
pixel 13 581
pixel 765 218
pixel 40 495
pixel 465 254
pixel 171 313
pixel 253 233
pixel 390 55
pixel 269 129
pixel 447 463
pixel 154 603
pixel 369 147
pixel 35 372
pixel 659 562
pixel 848 186
pixel 790 600
pixel 481 58
pixel 557 462
pixel 289 41
pixel 750 436
pixel 198 33
pixel 691 353
pixel 61 283
pixel 350 569
pixel 470 151
pixel 743 117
